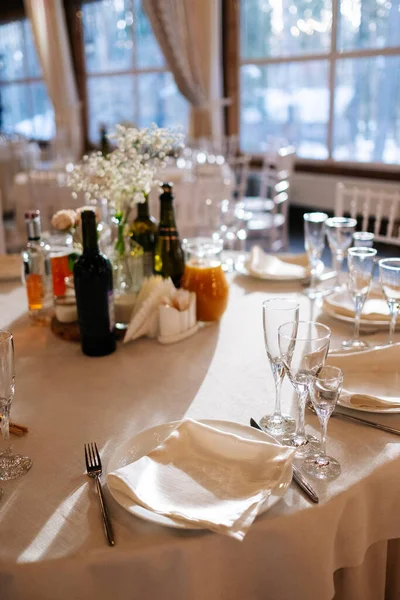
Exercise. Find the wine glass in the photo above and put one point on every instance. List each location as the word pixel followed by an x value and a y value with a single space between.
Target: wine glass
pixel 325 389
pixel 314 241
pixel 11 465
pixel 389 275
pixel 361 267
pixel 363 238
pixel 276 312
pixel 339 231
pixel 303 347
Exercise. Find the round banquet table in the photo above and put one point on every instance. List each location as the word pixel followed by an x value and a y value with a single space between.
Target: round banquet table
pixel 52 543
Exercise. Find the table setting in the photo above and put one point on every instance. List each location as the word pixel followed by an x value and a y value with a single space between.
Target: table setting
pixel 214 450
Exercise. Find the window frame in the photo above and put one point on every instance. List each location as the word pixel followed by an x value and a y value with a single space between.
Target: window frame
pixel 233 63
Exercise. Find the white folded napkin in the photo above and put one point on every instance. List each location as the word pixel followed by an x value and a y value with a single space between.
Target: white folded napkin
pixel 371 378
pixel 205 477
pixel 269 266
pixel 374 309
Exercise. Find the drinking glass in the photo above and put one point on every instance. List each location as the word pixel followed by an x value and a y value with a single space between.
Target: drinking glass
pixel 361 267
pixel 314 241
pixel 363 238
pixel 276 312
pixel 11 465
pixel 339 231
pixel 389 275
pixel 325 389
pixel 303 347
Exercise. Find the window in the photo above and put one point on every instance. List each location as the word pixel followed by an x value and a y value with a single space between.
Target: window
pixel 127 77
pixel 323 75
pixel 25 107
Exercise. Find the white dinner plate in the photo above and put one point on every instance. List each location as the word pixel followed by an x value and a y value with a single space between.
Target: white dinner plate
pixel 329 307
pixel 364 323
pixel 299 259
pixel 145 441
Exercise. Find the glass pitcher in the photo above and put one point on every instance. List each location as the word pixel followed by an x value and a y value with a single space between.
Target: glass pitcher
pixel 204 275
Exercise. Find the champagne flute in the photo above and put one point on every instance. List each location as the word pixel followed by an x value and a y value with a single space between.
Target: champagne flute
pixel 389 275
pixel 325 390
pixel 339 231
pixel 303 347
pixel 361 267
pixel 314 241
pixel 276 312
pixel 11 465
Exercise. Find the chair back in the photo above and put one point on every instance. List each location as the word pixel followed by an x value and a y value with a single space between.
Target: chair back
pixel 378 209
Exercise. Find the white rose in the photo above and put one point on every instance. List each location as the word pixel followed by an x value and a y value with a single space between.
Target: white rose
pixel 64 220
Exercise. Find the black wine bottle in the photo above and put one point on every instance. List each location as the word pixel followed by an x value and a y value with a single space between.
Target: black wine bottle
pixel 168 257
pixel 144 232
pixel 94 293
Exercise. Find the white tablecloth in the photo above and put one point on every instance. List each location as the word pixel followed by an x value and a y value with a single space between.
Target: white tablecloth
pixel 51 540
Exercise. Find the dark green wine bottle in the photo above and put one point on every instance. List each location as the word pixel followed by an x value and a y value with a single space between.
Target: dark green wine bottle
pixel 168 257
pixel 104 143
pixel 144 232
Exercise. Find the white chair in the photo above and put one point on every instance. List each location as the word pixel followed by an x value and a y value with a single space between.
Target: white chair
pixel 269 210
pixel 371 204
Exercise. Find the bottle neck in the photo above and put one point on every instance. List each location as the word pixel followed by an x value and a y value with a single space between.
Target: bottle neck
pixel 143 209
pixel 33 230
pixel 167 215
pixel 89 236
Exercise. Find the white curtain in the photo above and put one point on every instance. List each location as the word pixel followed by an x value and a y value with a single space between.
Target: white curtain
pixel 189 34
pixel 50 34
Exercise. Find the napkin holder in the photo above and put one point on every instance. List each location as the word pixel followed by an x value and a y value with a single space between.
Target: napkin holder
pixel 176 325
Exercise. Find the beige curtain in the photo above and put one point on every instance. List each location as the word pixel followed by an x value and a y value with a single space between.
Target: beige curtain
pixel 189 35
pixel 50 34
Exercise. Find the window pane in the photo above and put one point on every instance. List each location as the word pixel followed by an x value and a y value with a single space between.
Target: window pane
pixel 284 27
pixel 367 110
pixel 368 24
pixel 11 51
pixel 27 110
pixel 161 101
pixel 288 101
pixel 111 101
pixel 148 51
pixel 108 35
pixel 32 62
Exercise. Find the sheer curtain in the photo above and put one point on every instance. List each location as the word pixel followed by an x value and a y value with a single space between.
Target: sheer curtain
pixel 50 34
pixel 189 35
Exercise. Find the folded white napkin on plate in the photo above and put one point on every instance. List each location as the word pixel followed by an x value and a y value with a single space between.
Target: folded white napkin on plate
pixel 371 378
pixel 270 266
pixel 375 307
pixel 205 477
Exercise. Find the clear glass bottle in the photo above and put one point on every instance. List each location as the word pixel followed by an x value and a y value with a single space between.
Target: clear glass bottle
pixel 37 269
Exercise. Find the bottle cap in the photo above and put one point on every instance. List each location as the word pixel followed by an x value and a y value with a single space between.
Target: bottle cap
pixel 167 189
pixel 32 220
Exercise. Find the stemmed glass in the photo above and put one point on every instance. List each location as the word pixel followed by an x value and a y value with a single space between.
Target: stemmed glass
pixel 363 238
pixel 389 275
pixel 339 231
pixel 11 465
pixel 276 312
pixel 303 347
pixel 325 390
pixel 314 241
pixel 361 267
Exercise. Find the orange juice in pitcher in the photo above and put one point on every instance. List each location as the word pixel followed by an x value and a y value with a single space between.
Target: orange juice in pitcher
pixel 204 275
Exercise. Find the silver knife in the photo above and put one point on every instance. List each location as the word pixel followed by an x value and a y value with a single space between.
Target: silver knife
pixel 297 474
pixel 386 428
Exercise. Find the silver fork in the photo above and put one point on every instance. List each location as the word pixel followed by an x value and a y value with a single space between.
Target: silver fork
pixel 94 469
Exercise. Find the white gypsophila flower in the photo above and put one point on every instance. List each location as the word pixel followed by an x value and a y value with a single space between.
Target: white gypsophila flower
pixel 128 173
